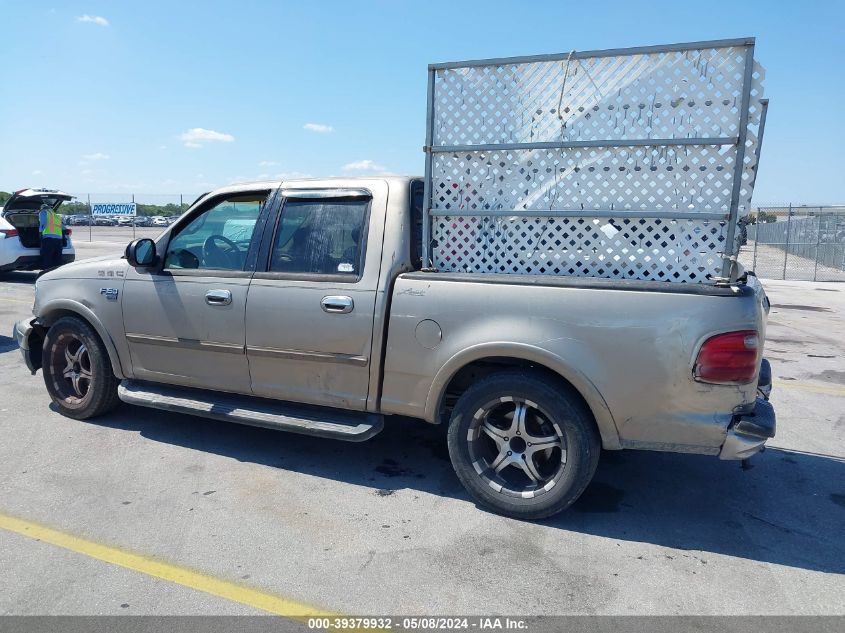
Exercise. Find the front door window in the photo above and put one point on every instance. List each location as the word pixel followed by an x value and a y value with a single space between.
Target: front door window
pixel 217 239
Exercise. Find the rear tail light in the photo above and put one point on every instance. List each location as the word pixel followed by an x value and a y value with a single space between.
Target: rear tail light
pixel 728 358
pixel 9 232
pixel 69 231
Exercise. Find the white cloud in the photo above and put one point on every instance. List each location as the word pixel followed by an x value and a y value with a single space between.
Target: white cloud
pixel 268 163
pixel 96 156
pixel 320 128
pixel 93 19
pixel 363 165
pixel 196 136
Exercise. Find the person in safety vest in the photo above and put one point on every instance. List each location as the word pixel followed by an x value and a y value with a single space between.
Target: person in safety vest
pixel 50 227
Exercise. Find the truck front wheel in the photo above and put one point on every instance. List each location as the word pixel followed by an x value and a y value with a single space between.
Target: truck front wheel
pixel 77 370
pixel 523 446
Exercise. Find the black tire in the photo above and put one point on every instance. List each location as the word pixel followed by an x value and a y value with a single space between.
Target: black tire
pixel 557 411
pixel 85 387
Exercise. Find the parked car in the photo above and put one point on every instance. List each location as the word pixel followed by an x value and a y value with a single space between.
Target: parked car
pixel 318 318
pixel 160 220
pixel 102 220
pixel 20 237
pixel 125 221
pixel 143 220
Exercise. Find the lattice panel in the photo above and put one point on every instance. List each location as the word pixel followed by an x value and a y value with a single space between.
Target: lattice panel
pixel 662 95
pixel 659 97
pixel 668 95
pixel 677 178
pixel 613 248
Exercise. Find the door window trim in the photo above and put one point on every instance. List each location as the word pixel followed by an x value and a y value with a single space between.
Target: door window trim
pixel 263 271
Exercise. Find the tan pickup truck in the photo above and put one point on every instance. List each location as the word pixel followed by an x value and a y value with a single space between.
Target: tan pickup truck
pixel 303 306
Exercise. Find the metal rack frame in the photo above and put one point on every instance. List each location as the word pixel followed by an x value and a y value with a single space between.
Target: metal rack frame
pixel 729 268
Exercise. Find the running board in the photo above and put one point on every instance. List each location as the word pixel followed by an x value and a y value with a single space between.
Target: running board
pixel 272 414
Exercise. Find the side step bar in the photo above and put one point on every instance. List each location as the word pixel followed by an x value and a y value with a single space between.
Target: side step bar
pixel 272 414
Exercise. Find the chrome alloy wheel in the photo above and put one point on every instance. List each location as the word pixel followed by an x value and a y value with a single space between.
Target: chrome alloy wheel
pixel 74 365
pixel 516 447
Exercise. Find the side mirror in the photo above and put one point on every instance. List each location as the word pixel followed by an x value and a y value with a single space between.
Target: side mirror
pixel 141 253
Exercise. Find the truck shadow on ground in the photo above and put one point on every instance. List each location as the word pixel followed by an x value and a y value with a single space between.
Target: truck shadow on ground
pixel 788 509
pixel 7 344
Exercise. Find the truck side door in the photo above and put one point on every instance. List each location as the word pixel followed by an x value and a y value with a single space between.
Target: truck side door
pixel 184 320
pixel 309 318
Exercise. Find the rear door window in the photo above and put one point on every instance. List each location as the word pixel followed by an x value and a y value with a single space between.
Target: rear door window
pixel 321 236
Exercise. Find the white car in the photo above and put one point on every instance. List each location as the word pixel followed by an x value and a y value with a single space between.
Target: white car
pixel 160 220
pixel 20 238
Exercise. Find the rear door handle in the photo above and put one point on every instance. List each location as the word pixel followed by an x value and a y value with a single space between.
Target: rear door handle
pixel 218 297
pixel 337 304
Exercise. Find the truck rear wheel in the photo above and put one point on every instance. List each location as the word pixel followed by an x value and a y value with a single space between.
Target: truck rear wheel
pixel 523 446
pixel 77 370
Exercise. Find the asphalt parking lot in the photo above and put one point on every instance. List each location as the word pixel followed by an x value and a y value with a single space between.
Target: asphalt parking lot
pixel 384 527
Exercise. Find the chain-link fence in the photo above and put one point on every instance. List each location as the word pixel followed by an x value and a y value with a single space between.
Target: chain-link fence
pixel 796 242
pixel 154 211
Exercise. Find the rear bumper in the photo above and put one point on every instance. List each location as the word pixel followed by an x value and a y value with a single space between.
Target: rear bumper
pixel 33 262
pixel 749 432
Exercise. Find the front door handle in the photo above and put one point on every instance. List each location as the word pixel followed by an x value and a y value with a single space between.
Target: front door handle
pixel 337 304
pixel 218 297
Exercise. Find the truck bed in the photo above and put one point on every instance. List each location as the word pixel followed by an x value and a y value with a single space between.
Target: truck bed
pixel 628 347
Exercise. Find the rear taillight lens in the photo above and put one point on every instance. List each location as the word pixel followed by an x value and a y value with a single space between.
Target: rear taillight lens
pixel 69 231
pixel 728 358
pixel 9 232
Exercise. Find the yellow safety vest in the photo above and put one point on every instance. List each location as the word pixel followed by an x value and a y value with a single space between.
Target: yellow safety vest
pixel 54 225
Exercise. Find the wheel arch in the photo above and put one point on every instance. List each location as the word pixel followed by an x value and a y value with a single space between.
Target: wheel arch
pixel 55 310
pixel 490 357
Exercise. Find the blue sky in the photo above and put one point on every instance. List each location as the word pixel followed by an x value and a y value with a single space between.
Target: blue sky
pixel 180 97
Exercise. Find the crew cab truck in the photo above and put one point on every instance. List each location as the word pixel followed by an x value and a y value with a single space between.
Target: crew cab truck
pixel 303 306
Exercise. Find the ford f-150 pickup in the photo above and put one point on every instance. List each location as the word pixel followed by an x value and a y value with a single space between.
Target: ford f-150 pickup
pixel 304 306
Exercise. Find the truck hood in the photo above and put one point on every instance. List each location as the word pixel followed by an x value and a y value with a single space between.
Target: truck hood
pixel 93 268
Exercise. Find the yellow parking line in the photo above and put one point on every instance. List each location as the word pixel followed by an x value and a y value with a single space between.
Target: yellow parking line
pixel 809 386
pixel 166 571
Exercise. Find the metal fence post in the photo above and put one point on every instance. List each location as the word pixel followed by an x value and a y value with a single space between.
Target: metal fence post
pixel 786 245
pixel 818 243
pixel 133 218
pixel 90 219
